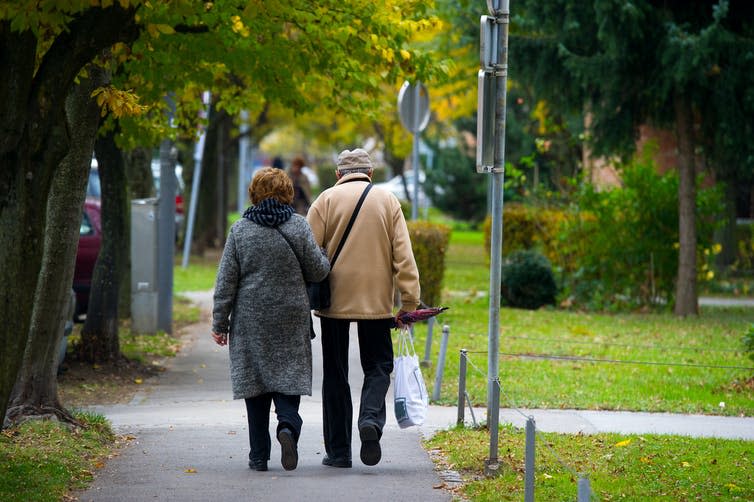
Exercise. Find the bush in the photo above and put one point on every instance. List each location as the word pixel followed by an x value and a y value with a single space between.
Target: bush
pixel 749 342
pixel 456 188
pixel 430 245
pixel 327 177
pixel 527 281
pixel 526 228
pixel 622 245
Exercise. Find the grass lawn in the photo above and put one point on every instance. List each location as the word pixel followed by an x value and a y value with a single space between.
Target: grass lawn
pixel 43 460
pixel 712 339
pixel 647 467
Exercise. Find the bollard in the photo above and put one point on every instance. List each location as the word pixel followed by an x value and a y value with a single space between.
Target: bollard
pixel 426 363
pixel 441 362
pixel 529 462
pixel 492 422
pixel 461 387
pixel 585 492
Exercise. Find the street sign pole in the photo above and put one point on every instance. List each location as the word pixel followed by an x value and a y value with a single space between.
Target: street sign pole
pixel 492 81
pixel 413 110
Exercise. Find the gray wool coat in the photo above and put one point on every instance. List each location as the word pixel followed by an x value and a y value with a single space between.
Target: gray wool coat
pixel 261 301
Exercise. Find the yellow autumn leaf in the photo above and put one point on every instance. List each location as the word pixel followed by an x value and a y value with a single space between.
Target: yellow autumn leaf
pixel 685 464
pixel 165 29
pixel 623 443
pixel 405 54
pixel 645 460
pixel 138 381
pixel 190 470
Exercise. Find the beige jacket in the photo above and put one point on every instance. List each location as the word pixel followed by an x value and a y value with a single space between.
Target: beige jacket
pixel 376 258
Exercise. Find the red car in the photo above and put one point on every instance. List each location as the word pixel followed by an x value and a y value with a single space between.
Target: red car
pixel 90 241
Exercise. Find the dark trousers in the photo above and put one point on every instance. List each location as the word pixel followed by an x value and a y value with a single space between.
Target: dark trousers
pixel 258 413
pixel 376 353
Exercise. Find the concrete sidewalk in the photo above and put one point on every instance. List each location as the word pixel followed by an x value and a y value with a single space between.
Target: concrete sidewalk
pixel 191 440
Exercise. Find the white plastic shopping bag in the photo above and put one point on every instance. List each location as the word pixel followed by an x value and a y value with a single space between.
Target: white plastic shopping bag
pixel 411 397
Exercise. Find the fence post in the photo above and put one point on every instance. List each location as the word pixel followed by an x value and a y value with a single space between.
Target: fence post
pixel 461 387
pixel 585 491
pixel 426 363
pixel 529 462
pixel 492 467
pixel 441 362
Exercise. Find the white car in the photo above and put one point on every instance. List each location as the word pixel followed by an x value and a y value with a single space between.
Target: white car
pixel 395 186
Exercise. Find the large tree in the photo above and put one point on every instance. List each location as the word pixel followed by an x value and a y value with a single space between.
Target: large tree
pixel 246 53
pixel 632 63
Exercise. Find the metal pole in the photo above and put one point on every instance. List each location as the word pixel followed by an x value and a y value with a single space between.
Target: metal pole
pixel 501 71
pixel 492 467
pixel 441 362
pixel 428 345
pixel 461 387
pixel 529 462
pixel 415 154
pixel 243 150
pixel 584 490
pixel 195 183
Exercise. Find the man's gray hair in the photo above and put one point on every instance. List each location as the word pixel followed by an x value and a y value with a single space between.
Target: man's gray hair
pixel 351 171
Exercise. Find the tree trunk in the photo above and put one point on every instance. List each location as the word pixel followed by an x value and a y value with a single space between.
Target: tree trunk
pixel 207 217
pixel 138 166
pixel 32 101
pixel 138 163
pixel 686 300
pixel 35 392
pixel 99 337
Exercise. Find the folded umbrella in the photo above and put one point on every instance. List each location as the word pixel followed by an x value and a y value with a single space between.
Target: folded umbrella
pixel 419 314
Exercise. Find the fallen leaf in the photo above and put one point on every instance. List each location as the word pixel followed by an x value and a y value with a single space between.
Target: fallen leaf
pixel 646 460
pixel 190 471
pixel 138 381
pixel 685 464
pixel 546 476
pixel 623 443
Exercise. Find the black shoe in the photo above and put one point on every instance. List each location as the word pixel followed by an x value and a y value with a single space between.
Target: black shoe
pixel 370 445
pixel 337 462
pixel 258 465
pixel 289 455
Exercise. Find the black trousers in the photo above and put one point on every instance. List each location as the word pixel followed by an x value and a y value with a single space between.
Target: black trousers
pixel 376 354
pixel 258 413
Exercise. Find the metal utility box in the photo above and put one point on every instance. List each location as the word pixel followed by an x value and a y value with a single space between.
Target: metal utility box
pixel 144 290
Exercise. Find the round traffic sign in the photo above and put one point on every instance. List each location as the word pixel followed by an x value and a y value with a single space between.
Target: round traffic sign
pixel 413 107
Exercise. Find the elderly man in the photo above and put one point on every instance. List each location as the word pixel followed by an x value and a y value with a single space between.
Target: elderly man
pixel 376 258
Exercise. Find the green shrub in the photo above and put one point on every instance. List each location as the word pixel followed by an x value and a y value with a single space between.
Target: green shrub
pixel 430 245
pixel 527 280
pixel 456 188
pixel 327 177
pixel 745 247
pixel 749 342
pixel 622 245
pixel 526 227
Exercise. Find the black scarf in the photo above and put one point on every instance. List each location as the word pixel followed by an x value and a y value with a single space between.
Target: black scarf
pixel 269 213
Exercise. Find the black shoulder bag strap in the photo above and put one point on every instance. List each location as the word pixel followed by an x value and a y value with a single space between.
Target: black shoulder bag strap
pixel 342 239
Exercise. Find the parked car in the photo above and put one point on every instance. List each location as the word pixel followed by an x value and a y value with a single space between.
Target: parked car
pixel 90 241
pixel 395 186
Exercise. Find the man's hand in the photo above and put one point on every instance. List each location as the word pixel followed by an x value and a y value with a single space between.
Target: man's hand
pixel 220 338
pixel 398 323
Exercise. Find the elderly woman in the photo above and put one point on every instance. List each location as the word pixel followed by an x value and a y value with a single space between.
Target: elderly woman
pixel 261 310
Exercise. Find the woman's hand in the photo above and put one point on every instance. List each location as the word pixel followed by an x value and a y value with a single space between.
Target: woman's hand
pixel 220 338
